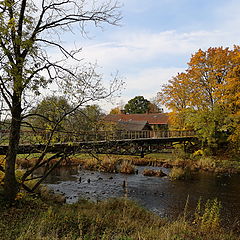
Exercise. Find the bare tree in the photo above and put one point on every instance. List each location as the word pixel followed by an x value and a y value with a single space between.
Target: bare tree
pixel 28 30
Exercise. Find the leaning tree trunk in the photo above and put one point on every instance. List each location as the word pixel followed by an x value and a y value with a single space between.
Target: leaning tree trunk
pixel 10 182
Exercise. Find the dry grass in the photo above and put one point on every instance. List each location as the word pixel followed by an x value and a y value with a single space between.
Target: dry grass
pixel 177 173
pixel 90 164
pixel 108 165
pixel 114 219
pixel 156 173
pixel 127 167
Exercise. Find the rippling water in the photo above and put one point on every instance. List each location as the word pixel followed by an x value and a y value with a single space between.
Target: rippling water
pixel 160 195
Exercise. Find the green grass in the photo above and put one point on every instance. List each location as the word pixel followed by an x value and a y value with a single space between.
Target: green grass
pixel 113 219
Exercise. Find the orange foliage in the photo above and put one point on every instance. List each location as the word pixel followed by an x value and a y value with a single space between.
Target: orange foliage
pixel 211 80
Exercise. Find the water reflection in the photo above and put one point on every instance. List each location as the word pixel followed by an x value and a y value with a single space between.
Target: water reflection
pixel 160 195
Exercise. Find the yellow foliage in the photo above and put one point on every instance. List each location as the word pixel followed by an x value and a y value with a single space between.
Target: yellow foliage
pixel 20 195
pixel 2 162
pixel 116 110
pixel 212 81
pixel 198 153
pixel 1 177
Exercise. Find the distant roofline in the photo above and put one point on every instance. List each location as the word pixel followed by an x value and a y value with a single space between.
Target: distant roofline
pixel 151 118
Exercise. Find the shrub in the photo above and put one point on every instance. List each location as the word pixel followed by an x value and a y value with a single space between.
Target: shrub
pixel 90 164
pixel 207 162
pixel 179 152
pixel 198 153
pixel 2 162
pixel 180 173
pixel 1 177
pixel 108 165
pixel 207 217
pixel 127 167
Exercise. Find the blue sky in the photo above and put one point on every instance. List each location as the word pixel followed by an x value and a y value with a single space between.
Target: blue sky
pixel 156 39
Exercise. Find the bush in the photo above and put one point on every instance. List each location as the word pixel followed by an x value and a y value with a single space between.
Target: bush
pixel 207 162
pixel 108 165
pixel 180 173
pixel 90 164
pixel 207 217
pixel 127 167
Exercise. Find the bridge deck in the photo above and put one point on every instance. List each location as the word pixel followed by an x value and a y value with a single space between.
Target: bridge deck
pixel 105 143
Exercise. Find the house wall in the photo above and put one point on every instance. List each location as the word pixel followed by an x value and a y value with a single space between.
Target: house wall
pixel 159 127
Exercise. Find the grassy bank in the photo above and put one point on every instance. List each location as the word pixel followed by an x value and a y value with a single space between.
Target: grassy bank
pixel 120 219
pixel 112 163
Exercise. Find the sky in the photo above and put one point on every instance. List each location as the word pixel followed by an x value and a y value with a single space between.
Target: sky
pixel 156 39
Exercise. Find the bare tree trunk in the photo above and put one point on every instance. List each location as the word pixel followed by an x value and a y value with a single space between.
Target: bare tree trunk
pixel 10 182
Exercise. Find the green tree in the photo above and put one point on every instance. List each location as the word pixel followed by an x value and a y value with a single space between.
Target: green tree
pixel 48 112
pixel 28 30
pixel 86 119
pixel 137 105
pixel 49 117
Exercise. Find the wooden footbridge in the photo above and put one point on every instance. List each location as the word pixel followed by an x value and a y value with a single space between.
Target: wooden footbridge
pixel 99 142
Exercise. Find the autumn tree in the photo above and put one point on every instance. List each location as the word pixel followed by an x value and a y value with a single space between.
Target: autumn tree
pixel 29 31
pixel 46 115
pixel 116 110
pixel 154 107
pixel 201 95
pixel 176 96
pixel 229 94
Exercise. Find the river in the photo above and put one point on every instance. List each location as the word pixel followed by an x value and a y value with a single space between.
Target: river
pixel 160 195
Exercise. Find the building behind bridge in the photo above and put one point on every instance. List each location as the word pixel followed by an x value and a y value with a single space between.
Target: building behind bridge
pixel 139 122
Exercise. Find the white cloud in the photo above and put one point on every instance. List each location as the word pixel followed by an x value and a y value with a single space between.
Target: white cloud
pixel 146 82
pixel 149 81
pixel 139 47
pixel 140 55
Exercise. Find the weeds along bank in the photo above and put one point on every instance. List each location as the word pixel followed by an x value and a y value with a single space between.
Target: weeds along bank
pixel 120 219
pixel 125 164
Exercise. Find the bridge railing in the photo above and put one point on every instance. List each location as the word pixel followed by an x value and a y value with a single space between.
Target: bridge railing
pixel 28 137
pixel 173 134
pixel 126 135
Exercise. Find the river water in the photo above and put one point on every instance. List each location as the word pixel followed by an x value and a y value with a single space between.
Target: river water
pixel 160 195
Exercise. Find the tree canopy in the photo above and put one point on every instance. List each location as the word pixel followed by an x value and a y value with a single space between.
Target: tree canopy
pixel 139 104
pixel 206 96
pixel 30 31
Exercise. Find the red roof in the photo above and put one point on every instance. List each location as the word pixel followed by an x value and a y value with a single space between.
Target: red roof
pixel 151 118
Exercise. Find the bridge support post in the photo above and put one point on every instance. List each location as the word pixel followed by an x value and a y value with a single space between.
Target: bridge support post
pixel 142 152
pixel 184 147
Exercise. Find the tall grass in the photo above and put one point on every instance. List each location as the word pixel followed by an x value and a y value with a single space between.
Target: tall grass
pixel 207 216
pixel 114 219
pixel 177 173
pixel 127 167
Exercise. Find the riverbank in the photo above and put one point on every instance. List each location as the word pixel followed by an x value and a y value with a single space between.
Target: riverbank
pixel 125 164
pixel 32 218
